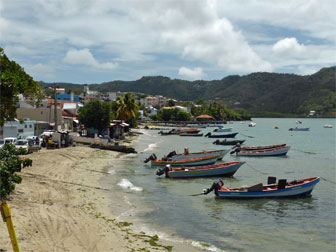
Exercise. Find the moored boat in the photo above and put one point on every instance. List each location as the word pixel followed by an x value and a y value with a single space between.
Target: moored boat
pixel 179 131
pixel 252 148
pixel 223 129
pixel 281 189
pixel 252 124
pixel 221 169
pixel 192 134
pixel 298 129
pixel 206 160
pixel 328 126
pixel 231 135
pixel 228 142
pixel 188 155
pixel 280 151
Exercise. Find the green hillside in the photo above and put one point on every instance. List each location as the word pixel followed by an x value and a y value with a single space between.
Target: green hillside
pixel 258 93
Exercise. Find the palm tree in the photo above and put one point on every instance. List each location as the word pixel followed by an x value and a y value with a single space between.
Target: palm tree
pixel 127 107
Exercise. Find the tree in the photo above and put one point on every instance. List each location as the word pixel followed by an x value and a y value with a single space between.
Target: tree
pixel 14 81
pixel 182 116
pixel 95 114
pixel 171 103
pixel 128 109
pixel 10 164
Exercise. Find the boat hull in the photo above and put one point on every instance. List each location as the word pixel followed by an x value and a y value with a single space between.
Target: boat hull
pixel 295 191
pixel 263 153
pixel 253 148
pixel 221 154
pixel 299 129
pixel 207 160
pixel 192 134
pixel 229 142
pixel 223 130
pixel 224 169
pixel 232 135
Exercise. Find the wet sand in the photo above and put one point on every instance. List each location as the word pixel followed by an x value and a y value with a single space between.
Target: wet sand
pixel 60 206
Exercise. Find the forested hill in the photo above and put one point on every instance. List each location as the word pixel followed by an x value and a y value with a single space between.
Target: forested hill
pixel 256 92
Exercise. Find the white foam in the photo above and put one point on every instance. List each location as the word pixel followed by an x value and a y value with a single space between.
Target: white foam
pixel 151 147
pixel 207 248
pixel 125 183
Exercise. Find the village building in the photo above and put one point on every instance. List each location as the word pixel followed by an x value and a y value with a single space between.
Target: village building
pixel 117 129
pixel 18 128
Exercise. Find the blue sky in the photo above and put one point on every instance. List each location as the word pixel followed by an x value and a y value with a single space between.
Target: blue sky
pixel 94 41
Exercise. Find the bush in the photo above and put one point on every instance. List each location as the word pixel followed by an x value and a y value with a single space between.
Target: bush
pixel 10 164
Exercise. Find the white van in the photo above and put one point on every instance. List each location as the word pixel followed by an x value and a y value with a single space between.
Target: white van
pixel 10 140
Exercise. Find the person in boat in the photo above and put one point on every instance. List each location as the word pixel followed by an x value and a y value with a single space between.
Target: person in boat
pixel 186 151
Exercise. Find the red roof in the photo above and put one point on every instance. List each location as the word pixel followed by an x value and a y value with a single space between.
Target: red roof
pixel 205 117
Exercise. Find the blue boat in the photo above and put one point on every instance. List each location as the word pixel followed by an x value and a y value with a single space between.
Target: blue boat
pixel 281 189
pixel 222 169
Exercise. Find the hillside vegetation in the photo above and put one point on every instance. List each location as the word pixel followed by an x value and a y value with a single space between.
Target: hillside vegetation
pixel 258 93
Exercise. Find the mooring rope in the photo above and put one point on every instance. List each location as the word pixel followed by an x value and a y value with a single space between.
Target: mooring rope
pixel 333 182
pixel 246 135
pixel 64 182
pixel 255 168
pixel 307 152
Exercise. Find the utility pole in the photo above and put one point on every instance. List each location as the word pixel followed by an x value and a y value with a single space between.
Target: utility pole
pixel 55 108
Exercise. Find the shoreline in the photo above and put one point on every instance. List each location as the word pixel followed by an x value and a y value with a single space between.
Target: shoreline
pixel 61 206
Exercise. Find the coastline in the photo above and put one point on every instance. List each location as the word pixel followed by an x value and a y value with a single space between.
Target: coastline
pixel 61 206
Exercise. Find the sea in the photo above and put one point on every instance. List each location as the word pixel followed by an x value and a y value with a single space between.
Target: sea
pixel 171 209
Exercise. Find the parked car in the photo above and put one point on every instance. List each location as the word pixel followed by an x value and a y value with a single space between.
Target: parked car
pixel 2 142
pixel 22 143
pixel 10 140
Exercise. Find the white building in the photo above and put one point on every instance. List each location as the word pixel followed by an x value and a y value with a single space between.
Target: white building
pixel 16 128
pixel 112 96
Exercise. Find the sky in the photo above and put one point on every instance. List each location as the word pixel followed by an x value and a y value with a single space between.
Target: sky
pixel 95 41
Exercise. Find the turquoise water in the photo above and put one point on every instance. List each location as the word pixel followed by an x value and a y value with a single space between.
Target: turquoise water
pixel 164 206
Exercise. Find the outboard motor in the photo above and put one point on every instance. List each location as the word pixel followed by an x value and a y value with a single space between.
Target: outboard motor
pixel 151 157
pixel 216 142
pixel 165 170
pixel 160 132
pixel 173 153
pixel 237 149
pixel 215 186
pixel 208 134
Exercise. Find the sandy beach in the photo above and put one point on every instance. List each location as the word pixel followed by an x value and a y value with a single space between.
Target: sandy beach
pixel 60 206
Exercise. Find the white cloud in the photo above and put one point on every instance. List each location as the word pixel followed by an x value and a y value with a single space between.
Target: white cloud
pixel 196 32
pixel 85 57
pixel 40 71
pixel 288 47
pixel 193 74
pixel 313 17
pixel 156 37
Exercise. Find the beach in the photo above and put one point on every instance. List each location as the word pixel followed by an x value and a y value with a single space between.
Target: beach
pixel 60 206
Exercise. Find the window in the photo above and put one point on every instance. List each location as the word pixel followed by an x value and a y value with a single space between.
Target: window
pixel 30 126
pixel 25 126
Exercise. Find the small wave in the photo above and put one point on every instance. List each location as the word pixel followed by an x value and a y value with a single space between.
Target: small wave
pixel 151 147
pixel 125 183
pixel 206 246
